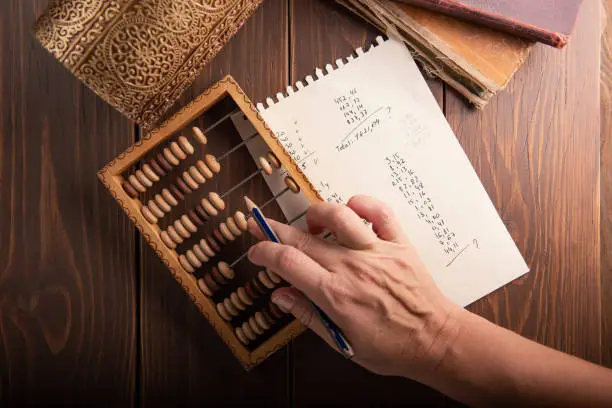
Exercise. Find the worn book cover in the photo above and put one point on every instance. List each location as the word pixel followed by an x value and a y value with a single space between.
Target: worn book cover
pixel 547 21
pixel 476 61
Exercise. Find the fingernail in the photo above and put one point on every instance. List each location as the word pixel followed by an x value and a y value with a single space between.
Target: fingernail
pixel 285 302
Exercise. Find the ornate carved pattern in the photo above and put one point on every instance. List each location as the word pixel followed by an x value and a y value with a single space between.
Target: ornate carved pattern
pixel 140 55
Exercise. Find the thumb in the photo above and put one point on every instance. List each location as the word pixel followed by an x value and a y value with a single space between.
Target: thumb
pixel 293 301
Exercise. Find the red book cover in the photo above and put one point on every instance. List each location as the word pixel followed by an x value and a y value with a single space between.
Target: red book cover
pixel 547 21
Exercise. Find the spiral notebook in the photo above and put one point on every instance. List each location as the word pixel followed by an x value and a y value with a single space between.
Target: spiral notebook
pixel 370 125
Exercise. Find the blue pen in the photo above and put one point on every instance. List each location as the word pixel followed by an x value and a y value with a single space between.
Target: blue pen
pixel 334 330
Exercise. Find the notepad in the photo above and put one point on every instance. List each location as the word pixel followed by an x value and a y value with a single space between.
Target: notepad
pixel 369 124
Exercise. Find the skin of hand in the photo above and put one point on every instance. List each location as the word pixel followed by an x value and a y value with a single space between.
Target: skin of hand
pixel 370 282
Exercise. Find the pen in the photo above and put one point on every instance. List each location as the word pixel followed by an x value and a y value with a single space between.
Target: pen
pixel 341 341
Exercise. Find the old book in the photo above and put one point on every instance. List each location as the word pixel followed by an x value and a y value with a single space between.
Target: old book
pixel 477 61
pixel 550 22
pixel 139 56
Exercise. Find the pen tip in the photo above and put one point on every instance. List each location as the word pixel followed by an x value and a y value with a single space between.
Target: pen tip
pixel 250 204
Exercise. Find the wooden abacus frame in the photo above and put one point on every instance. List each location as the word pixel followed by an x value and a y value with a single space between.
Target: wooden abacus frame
pixel 111 177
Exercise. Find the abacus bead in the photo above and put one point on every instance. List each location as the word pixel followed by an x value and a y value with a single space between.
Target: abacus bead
pixel 219 236
pixel 177 192
pixel 231 225
pixel 265 165
pixel 148 171
pixel 195 218
pixel 165 237
pixel 204 288
pixel 196 175
pixel 269 319
pixel 148 215
pixel 213 243
pixel 170 157
pixel 185 145
pixel 157 168
pixel 217 276
pixel 202 213
pixel 193 259
pixel 216 200
pixel 222 312
pixel 248 332
pixel 200 254
pixel 181 229
pixel 211 283
pixel 143 178
pixel 290 182
pixel 199 135
pixel 206 248
pixel 190 181
pixel 263 278
pixel 162 160
pixel 129 189
pixel 240 335
pixel 183 186
pixel 212 163
pixel 241 221
pixel 226 231
pixel 273 160
pixel 261 321
pixel 155 209
pixel 254 326
pixel 259 287
pixel 226 271
pixel 159 200
pixel 244 297
pixel 185 264
pixel 136 184
pixel 209 208
pixel 275 311
pixel 251 291
pixel 167 195
pixel 177 151
pixel 273 276
pixel 188 224
pixel 174 235
pixel 237 302
pixel 230 307
pixel 206 172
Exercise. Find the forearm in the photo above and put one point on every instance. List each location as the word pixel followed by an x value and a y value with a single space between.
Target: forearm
pixel 487 365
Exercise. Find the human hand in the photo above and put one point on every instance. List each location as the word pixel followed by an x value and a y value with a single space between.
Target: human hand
pixel 370 282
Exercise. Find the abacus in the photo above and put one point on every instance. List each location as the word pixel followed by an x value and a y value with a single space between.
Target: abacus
pixel 169 184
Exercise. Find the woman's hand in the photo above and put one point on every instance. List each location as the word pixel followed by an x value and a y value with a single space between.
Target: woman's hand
pixel 370 282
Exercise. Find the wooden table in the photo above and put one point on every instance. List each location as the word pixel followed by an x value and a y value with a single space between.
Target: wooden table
pixel 89 315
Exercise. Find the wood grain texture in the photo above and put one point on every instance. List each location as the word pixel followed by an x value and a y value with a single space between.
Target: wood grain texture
pixel 67 284
pixel 322 376
pixel 183 360
pixel 606 186
pixel 536 150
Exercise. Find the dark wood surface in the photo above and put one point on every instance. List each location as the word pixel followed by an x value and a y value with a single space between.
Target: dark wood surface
pixel 89 315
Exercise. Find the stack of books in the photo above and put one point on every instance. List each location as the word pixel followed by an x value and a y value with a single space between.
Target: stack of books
pixel 474 46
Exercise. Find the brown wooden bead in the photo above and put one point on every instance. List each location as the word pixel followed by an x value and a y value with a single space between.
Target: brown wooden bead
pixel 237 302
pixel 271 321
pixel 273 276
pixel 196 175
pixel 212 163
pixel 144 180
pixel 185 145
pixel 148 215
pixel 197 250
pixel 194 217
pixel 204 288
pixel 206 172
pixel 209 208
pixel 244 297
pixel 251 291
pixel 168 197
pixel 259 287
pixel 275 311
pixel 162 160
pixel 161 203
pixel 213 244
pixel 226 271
pixel 171 158
pixel 265 165
pixel 199 135
pixel 178 226
pixel 206 248
pixel 185 264
pixel 211 283
pixel 248 332
pixel 222 312
pixel 157 168
pixel 202 213
pixel 188 224
pixel 216 200
pixel 231 225
pixel 254 326
pixel 229 306
pixel 177 151
pixel 136 183
pixel 190 181
pixel 225 231
pixel 290 182
pixel 259 318
pixel 148 171
pixel 273 160
pixel 174 235
pixel 165 237
pixel 193 259
pixel 241 221
pixel 217 276
pixel 219 237
pixel 155 209
pixel 129 189
pixel 183 186
pixel 178 193
pixel 263 278
pixel 240 335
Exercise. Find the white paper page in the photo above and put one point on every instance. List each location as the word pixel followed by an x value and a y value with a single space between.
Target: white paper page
pixel 372 126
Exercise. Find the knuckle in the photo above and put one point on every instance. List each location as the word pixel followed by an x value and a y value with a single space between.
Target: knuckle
pixel 338 215
pixel 385 213
pixel 304 242
pixel 287 258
